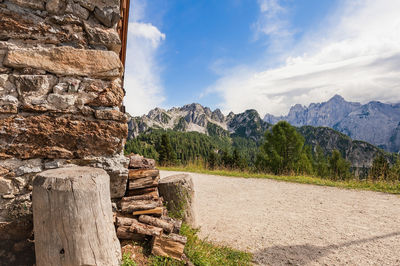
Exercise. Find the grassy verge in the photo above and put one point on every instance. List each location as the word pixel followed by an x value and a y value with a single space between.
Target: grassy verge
pixel 201 252
pixel 380 186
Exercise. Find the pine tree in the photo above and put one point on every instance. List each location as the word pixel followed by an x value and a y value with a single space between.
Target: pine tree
pixel 282 149
pixel 380 168
pixel 167 156
pixel 339 168
pixel 237 160
pixel 395 170
pixel 321 163
pixel 212 160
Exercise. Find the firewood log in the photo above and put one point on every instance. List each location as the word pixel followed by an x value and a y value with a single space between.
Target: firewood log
pixel 139 205
pixel 145 229
pixel 171 245
pixel 153 191
pixel 140 197
pixel 142 173
pixel 168 227
pixel 177 223
pixel 123 233
pixel 124 221
pixel 156 212
pixel 143 182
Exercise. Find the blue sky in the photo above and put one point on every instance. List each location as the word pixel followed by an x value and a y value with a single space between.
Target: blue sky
pixel 261 54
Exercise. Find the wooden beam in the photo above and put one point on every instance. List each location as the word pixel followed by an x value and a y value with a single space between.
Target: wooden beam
pixel 123 28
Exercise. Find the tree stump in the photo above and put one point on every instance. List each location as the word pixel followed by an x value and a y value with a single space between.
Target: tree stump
pixel 72 215
pixel 177 191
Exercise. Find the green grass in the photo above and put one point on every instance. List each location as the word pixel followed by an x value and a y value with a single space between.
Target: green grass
pixel 203 253
pixel 127 261
pixel 199 252
pixel 379 186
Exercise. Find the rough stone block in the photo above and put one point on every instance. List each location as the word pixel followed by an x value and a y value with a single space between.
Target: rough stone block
pixel 108 94
pixel 2 55
pixel 34 4
pixel 67 61
pixel 8 105
pixel 14 246
pixel 14 164
pixel 101 4
pixel 6 87
pixel 111 115
pixel 27 26
pixel 98 35
pixel 62 102
pixel 58 137
pixel 5 186
pixel 116 167
pixel 56 6
pixel 77 10
pixel 33 89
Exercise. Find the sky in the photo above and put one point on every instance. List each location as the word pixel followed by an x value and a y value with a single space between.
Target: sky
pixel 261 54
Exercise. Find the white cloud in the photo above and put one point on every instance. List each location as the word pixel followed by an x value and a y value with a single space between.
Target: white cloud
pixel 356 55
pixel 143 87
pixel 272 22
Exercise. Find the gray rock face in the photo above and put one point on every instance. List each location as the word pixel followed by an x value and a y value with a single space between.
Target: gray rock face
pixel 248 124
pixel 374 122
pixel 195 117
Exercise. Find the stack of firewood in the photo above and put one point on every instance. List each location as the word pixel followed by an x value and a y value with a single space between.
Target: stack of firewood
pixel 141 215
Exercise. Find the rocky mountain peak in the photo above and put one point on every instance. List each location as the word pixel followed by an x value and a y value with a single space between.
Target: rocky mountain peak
pixel 337 99
pixel 360 122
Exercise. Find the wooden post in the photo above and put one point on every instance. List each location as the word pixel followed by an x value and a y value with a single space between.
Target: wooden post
pixel 72 218
pixel 178 192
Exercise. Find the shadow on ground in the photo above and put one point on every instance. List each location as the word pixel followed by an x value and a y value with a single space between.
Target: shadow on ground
pixel 304 254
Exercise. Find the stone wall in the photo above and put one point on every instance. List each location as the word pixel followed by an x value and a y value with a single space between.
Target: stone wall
pixel 60 100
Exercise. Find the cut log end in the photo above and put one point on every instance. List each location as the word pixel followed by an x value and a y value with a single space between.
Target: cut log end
pixel 156 212
pixel 171 246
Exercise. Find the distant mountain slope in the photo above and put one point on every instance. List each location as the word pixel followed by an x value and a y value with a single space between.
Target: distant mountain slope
pixel 359 153
pixel 374 122
pixel 196 118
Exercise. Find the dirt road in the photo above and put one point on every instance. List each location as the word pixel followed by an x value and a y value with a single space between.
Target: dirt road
pixel 294 224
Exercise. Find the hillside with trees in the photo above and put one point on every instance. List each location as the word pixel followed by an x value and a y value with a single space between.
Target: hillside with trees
pixel 283 150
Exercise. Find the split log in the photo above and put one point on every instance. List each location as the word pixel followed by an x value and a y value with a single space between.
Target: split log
pixel 137 161
pixel 139 205
pixel 143 182
pixel 177 223
pixel 73 220
pixel 124 221
pixel 145 229
pixel 166 226
pixel 169 246
pixel 178 193
pixel 123 233
pixel 142 173
pixel 153 191
pixel 156 212
pixel 140 197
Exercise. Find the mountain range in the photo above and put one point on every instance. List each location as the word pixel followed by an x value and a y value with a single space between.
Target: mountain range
pixel 249 125
pixel 375 122
pixel 195 117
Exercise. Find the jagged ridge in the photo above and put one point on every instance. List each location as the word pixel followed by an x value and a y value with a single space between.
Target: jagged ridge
pixel 195 117
pixel 375 122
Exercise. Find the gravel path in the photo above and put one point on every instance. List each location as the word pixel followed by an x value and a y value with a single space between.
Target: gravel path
pixel 294 224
